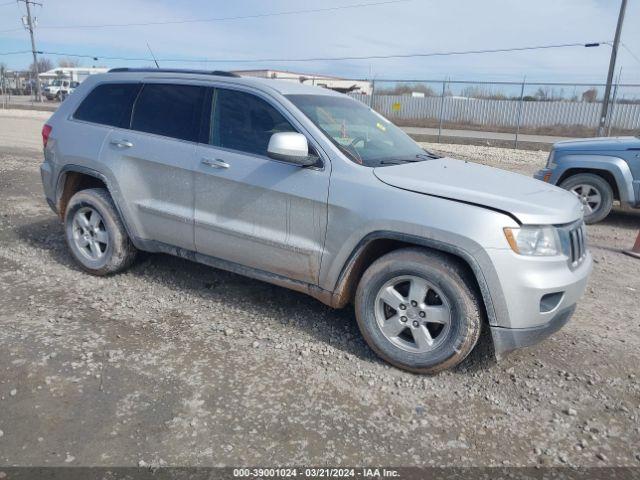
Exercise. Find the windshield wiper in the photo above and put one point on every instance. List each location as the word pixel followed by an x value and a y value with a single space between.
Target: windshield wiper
pixel 420 157
pixel 428 156
pixel 348 153
pixel 398 161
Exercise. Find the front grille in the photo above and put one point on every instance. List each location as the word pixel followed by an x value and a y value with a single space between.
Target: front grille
pixel 577 244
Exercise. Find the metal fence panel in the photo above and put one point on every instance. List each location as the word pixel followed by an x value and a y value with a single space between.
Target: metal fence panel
pixel 501 113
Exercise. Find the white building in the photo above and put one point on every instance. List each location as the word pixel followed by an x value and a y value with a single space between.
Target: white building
pixel 333 83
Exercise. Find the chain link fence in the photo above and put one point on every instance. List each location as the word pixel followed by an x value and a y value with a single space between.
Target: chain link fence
pixel 541 109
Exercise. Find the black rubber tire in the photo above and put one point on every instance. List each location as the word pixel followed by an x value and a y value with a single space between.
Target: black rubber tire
pixel 454 282
pixel 120 252
pixel 601 185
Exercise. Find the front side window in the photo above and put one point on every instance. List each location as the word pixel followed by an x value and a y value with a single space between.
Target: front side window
pixel 109 104
pixel 244 122
pixel 169 110
pixel 365 136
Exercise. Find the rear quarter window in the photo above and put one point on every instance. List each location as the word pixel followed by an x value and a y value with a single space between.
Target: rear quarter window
pixel 109 104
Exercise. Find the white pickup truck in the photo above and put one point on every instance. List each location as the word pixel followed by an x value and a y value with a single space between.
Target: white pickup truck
pixel 60 89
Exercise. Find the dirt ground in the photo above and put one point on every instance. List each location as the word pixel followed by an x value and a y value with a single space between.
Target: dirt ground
pixel 180 364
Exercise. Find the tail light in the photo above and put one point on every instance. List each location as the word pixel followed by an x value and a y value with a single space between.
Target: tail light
pixel 46 131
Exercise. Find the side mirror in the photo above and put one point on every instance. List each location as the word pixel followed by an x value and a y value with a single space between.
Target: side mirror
pixel 290 147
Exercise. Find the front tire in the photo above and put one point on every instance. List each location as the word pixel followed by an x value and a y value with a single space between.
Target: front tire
pixel 95 233
pixel 594 192
pixel 418 310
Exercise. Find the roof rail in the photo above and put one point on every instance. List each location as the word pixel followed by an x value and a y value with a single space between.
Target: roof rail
pixel 219 73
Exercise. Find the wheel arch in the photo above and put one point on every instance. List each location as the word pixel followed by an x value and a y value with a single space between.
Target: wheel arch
pixel 377 244
pixel 604 174
pixel 612 169
pixel 74 178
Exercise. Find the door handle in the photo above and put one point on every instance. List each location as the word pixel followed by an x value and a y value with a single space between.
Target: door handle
pixel 121 143
pixel 215 163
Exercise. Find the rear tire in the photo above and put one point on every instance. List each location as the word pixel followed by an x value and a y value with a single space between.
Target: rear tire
pixel 594 192
pixel 95 233
pixel 420 332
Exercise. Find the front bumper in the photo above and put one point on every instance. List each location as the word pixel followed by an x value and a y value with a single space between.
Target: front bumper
pixel 547 175
pixel 508 339
pixel 535 289
pixel 539 296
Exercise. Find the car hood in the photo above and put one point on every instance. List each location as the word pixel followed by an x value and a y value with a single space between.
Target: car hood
pixel 599 144
pixel 530 201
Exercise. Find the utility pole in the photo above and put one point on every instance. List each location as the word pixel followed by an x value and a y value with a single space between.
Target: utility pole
pixel 29 26
pixel 612 66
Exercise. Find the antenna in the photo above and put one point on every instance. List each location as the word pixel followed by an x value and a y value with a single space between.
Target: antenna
pixel 154 57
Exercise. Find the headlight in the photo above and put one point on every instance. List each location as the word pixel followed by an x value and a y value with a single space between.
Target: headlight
pixel 550 159
pixel 535 241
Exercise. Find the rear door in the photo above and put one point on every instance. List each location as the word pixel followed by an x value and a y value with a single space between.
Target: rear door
pixel 250 209
pixel 154 161
pixel 107 106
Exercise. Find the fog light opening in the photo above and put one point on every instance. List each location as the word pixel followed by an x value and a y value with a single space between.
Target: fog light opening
pixel 550 301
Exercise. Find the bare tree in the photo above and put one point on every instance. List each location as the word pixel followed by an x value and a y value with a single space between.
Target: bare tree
pixel 482 92
pixel 44 64
pixel 547 94
pixel 543 94
pixel 69 62
pixel 590 95
pixel 408 89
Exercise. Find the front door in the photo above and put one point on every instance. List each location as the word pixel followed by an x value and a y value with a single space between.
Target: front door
pixel 250 209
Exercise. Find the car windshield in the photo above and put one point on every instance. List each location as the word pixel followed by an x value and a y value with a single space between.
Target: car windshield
pixel 56 83
pixel 364 135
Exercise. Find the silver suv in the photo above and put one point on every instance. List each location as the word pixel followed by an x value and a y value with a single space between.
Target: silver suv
pixel 312 190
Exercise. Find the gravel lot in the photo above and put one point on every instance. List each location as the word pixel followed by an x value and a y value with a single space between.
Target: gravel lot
pixel 180 364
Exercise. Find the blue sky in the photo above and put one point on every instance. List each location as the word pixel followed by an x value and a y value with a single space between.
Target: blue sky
pixel 410 26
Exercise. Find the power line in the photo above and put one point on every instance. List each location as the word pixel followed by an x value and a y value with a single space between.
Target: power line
pixel 222 19
pixel 315 59
pixel 15 53
pixel 624 45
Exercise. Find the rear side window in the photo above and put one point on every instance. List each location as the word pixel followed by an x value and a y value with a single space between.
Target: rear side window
pixel 169 110
pixel 241 121
pixel 109 104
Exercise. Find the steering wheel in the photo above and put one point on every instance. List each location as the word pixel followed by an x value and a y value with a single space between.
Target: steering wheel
pixel 355 141
pixel 352 148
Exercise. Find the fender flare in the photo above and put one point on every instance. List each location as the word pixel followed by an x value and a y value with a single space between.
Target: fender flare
pixel 616 166
pixel 493 300
pixel 70 168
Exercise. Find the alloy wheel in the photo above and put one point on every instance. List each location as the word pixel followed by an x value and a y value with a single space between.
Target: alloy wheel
pixel 412 313
pixel 589 195
pixel 89 233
